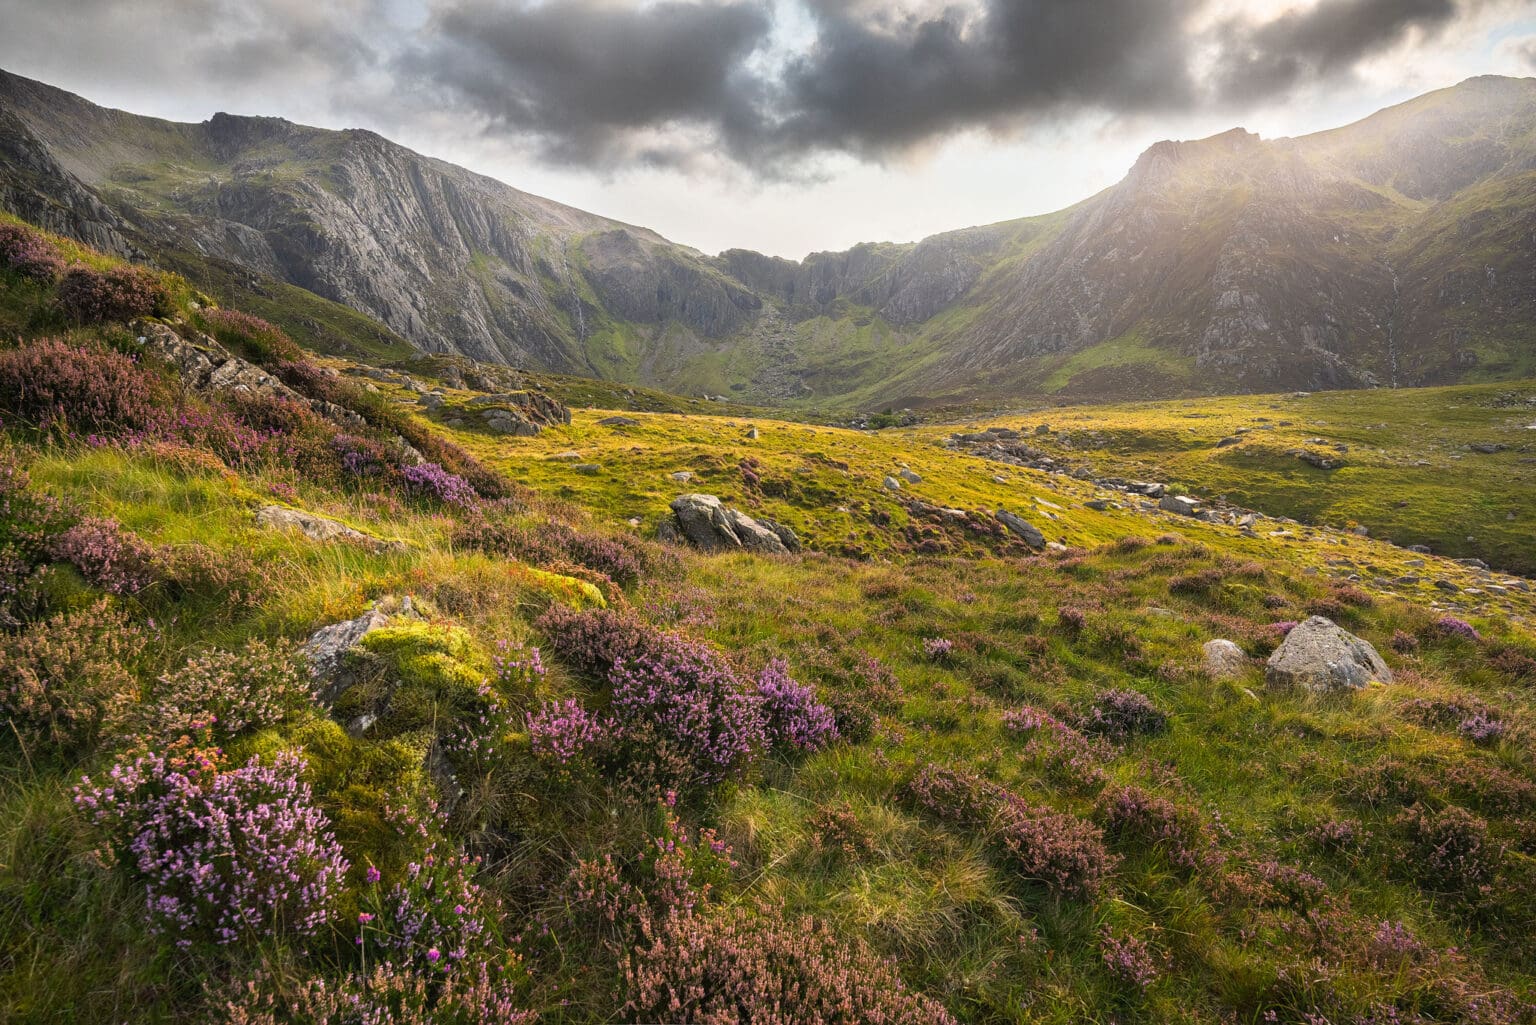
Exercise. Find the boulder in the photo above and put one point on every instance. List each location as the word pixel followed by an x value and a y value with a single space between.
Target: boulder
pixel 708 524
pixel 1181 504
pixel 1021 528
pixel 1321 656
pixel 504 421
pixel 1224 660
pixel 618 421
pixel 909 476
pixel 320 528
pixel 892 484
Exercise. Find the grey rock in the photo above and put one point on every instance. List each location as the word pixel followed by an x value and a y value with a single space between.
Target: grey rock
pixel 892 484
pixel 909 476
pixel 1021 528
pixel 320 528
pixel 1320 656
pixel 1224 660
pixel 708 524
pixel 618 421
pixel 327 648
pixel 1181 504
pixel 681 476
pixel 590 469
pixel 1228 442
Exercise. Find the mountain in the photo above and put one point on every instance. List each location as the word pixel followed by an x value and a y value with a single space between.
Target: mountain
pixel 1398 250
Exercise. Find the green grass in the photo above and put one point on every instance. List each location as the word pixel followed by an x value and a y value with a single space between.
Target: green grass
pixel 1256 770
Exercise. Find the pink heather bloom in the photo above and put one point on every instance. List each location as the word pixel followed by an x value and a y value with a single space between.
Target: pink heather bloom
pixel 433 954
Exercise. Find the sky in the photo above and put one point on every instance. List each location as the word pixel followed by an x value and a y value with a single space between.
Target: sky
pixel 785 126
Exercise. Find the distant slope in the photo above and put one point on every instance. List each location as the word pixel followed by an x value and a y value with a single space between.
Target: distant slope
pixel 1395 251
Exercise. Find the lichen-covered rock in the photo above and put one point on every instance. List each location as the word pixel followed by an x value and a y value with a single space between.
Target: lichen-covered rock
pixel 1224 660
pixel 320 528
pixel 708 524
pixel 1319 655
pixel 327 648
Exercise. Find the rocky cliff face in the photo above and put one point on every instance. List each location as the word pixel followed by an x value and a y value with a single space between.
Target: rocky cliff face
pixel 1398 250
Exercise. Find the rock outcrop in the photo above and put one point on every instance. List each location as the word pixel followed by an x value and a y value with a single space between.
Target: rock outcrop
pixel 709 525
pixel 1320 656
pixel 1021 528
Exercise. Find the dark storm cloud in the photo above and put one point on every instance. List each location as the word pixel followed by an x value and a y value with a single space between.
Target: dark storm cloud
pixel 610 83
pixel 878 85
pixel 1323 42
pixel 595 81
pixel 585 76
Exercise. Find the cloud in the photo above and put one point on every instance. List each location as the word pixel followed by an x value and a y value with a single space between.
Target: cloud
pixel 1321 43
pixel 771 88
pixel 594 81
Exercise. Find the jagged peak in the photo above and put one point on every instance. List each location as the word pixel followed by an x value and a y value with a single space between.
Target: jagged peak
pixel 1158 159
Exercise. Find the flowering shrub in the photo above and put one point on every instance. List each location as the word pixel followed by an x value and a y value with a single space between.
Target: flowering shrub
pixel 621 558
pixel 197 571
pixel 740 967
pixel 686 692
pixel 123 293
pixel 560 731
pixel 54 385
pixel 430 481
pixel 64 680
pixel 28 522
pixel 485 995
pixel 27 253
pixel 1480 728
pixel 1460 629
pixel 594 641
pixel 937 649
pixel 853 716
pixel 259 341
pixel 837 829
pixel 1072 758
pixel 951 795
pixel 433 919
pixel 1128 959
pixel 1071 618
pixel 1121 714
pixel 224 856
pixel 228 692
pixel 1061 851
pixel 1134 818
pixel 1404 643
pixel 792 716
pixel 115 560
pixel 1450 848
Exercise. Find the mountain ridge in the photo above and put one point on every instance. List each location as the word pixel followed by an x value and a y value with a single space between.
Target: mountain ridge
pixel 1227 264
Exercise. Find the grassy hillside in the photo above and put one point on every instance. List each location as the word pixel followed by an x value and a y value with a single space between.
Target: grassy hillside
pixel 920 772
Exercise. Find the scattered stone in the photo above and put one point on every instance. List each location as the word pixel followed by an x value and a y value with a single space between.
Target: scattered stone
pixel 909 476
pixel 752 434
pixel 1224 660
pixel 1321 656
pixel 504 421
pixel 590 469
pixel 1447 586
pixel 1021 528
pixel 1319 460
pixel 681 476
pixel 892 484
pixel 1228 442
pixel 1101 504
pixel 568 456
pixel 1487 448
pixel 618 421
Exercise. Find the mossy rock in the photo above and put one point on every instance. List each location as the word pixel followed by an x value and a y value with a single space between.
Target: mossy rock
pixel 413 677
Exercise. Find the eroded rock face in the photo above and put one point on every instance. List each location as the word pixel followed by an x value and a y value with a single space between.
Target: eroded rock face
pixel 207 366
pixel 1321 656
pixel 708 524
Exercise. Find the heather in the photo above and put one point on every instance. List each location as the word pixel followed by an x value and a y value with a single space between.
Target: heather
pixel 917 772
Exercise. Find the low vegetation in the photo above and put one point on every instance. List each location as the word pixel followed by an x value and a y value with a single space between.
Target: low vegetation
pixel 923 771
